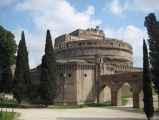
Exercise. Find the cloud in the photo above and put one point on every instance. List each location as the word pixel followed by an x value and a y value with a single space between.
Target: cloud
pixel 132 35
pixel 145 5
pixel 5 2
pixel 57 16
pixel 116 8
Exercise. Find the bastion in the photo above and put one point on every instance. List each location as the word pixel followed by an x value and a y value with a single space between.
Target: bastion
pixel 88 66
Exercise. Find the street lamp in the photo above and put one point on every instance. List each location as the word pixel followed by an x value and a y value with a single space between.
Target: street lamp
pixel 2 103
pixel 13 105
pixel 6 108
pixel 64 86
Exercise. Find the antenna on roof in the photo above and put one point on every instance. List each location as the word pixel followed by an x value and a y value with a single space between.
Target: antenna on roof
pixel 91 21
pixel 91 26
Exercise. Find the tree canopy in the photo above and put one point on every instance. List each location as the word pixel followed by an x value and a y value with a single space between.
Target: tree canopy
pixel 152 26
pixel 21 80
pixel 8 49
pixel 48 85
pixel 147 87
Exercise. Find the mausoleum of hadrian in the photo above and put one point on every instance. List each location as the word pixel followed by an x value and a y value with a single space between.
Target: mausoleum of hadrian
pixel 93 68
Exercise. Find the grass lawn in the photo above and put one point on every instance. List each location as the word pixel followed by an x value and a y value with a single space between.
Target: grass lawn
pixel 9 116
pixel 127 95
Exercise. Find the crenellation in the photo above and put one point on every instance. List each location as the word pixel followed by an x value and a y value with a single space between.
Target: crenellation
pixel 74 66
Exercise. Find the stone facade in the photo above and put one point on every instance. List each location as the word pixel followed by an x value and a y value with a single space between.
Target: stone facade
pixel 85 61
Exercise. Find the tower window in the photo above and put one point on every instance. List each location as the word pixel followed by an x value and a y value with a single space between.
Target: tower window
pixel 100 60
pixel 85 75
pixel 69 75
pixel 61 75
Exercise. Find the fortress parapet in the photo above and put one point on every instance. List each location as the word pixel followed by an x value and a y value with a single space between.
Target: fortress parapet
pixel 121 69
pixel 75 66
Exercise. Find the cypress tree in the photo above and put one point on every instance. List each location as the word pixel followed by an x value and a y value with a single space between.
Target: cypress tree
pixel 147 87
pixel 152 26
pixel 21 80
pixel 48 85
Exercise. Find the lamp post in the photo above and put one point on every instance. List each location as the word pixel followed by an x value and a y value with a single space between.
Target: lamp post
pixel 6 108
pixel 64 86
pixel 13 105
pixel 2 104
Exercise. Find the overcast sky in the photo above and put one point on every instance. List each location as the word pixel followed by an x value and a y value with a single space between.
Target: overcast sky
pixel 121 19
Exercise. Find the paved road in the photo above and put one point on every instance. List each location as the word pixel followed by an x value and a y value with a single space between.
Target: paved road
pixel 100 113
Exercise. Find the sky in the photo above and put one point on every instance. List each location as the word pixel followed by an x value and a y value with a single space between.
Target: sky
pixel 120 19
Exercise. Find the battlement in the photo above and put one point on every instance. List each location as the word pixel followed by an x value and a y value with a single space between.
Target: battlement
pixel 75 66
pixel 120 69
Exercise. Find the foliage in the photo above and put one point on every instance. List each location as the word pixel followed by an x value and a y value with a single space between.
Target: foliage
pixel 21 80
pixel 7 46
pixel 48 85
pixel 152 26
pixel 7 50
pixel 147 87
pixel 7 80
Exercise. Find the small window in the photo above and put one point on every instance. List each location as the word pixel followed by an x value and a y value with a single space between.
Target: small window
pixel 61 75
pixel 68 45
pixel 89 43
pixel 100 60
pixel 85 75
pixel 69 75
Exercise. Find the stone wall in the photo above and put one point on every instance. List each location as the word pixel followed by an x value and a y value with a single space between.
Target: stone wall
pixel 75 83
pixel 86 92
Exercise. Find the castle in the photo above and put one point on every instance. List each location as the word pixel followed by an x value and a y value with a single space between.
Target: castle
pixel 88 67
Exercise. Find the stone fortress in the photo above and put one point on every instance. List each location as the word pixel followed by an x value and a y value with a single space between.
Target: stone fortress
pixel 93 68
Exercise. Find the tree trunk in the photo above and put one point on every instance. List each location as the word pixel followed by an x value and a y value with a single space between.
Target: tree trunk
pixel 158 99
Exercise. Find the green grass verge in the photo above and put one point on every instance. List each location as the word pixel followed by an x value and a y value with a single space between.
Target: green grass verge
pixel 124 101
pixel 68 106
pixel 127 95
pixel 8 116
pixel 154 93
pixel 8 104
pixel 107 103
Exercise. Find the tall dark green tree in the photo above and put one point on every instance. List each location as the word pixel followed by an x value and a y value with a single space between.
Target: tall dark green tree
pixel 48 84
pixel 7 57
pixel 152 26
pixel 21 81
pixel 7 80
pixel 147 86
